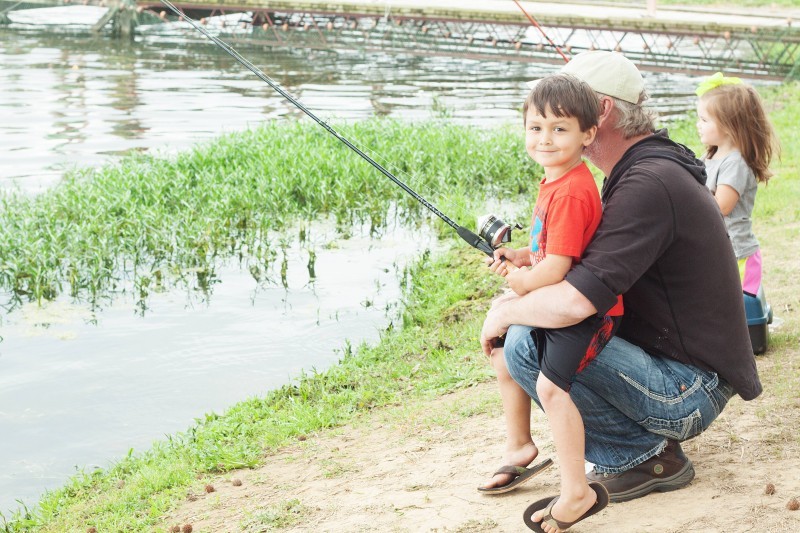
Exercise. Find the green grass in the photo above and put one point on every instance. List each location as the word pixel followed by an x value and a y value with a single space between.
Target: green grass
pixel 278 516
pixel 434 352
pixel 149 222
pixel 152 219
pixel 430 355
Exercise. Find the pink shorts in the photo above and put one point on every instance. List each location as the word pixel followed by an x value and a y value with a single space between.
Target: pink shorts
pixel 750 273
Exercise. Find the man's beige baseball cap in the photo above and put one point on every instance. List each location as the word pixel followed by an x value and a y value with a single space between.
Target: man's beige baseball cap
pixel 610 73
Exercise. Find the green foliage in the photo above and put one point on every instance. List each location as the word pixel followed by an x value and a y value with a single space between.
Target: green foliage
pixel 436 352
pixel 279 516
pixel 150 221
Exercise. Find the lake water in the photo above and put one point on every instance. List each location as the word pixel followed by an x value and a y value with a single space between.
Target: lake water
pixel 79 388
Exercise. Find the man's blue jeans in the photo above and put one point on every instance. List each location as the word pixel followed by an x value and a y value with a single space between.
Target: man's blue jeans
pixel 631 402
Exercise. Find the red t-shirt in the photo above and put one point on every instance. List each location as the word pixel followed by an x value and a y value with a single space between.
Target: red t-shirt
pixel 565 217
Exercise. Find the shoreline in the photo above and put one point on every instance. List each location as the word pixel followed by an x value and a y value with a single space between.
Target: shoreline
pixel 412 394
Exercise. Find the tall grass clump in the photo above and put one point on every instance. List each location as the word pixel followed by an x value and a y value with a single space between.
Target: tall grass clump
pixel 151 220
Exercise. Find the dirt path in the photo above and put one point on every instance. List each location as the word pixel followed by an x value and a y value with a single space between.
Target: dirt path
pixel 415 468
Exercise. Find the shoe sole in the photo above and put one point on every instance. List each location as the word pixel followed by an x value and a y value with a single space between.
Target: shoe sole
pixel 529 474
pixel 674 482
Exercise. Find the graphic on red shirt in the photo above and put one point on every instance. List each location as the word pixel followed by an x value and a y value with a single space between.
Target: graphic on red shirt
pixel 538 238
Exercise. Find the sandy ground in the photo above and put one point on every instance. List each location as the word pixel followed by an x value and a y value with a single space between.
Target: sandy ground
pixel 416 468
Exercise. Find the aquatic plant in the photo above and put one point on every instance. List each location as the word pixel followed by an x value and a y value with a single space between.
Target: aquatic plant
pixel 151 220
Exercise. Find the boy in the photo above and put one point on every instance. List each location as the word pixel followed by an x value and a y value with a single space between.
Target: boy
pixel 560 117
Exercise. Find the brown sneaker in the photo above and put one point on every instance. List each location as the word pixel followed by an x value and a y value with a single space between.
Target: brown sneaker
pixel 670 470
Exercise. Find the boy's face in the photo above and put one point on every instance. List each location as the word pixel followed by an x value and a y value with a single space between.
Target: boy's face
pixel 556 143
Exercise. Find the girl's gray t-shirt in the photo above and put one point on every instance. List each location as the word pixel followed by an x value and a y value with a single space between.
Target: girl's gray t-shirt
pixel 732 171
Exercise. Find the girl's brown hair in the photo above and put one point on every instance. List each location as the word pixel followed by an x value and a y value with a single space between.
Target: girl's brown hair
pixel 739 112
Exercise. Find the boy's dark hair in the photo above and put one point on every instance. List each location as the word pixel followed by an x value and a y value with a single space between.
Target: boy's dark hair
pixel 565 96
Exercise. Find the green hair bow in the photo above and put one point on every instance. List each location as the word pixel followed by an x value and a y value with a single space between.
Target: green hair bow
pixel 715 81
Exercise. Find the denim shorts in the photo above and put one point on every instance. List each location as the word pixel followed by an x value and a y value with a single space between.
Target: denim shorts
pixel 630 401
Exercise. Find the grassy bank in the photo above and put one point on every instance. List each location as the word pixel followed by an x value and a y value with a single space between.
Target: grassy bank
pixel 435 352
pixel 151 221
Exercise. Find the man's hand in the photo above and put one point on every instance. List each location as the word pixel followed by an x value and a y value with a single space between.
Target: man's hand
pixel 494 326
pixel 504 298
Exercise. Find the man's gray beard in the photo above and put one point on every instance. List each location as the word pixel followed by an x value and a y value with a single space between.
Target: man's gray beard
pixel 595 152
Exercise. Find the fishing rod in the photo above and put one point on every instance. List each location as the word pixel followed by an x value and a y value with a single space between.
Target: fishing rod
pixel 533 21
pixel 493 231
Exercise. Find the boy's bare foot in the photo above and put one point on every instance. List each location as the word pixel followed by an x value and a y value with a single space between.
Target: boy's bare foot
pixel 517 456
pixel 568 509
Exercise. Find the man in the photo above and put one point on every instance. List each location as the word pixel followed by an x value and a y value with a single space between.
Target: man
pixel 683 348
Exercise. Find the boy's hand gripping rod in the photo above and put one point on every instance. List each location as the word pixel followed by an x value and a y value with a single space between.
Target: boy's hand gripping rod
pixel 471 238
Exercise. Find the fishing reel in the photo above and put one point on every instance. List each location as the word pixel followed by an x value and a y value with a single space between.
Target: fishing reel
pixel 494 231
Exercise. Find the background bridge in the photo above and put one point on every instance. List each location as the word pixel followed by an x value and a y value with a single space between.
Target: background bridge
pixel 756 43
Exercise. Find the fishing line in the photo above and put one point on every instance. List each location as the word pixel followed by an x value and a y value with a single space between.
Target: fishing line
pixel 533 21
pixel 471 238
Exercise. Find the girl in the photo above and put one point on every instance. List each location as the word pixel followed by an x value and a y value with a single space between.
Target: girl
pixel 740 143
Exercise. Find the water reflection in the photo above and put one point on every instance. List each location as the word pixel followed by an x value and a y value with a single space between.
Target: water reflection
pixel 80 99
pixel 80 387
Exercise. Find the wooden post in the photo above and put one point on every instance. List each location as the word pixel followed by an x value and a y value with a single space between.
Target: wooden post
pixel 124 24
